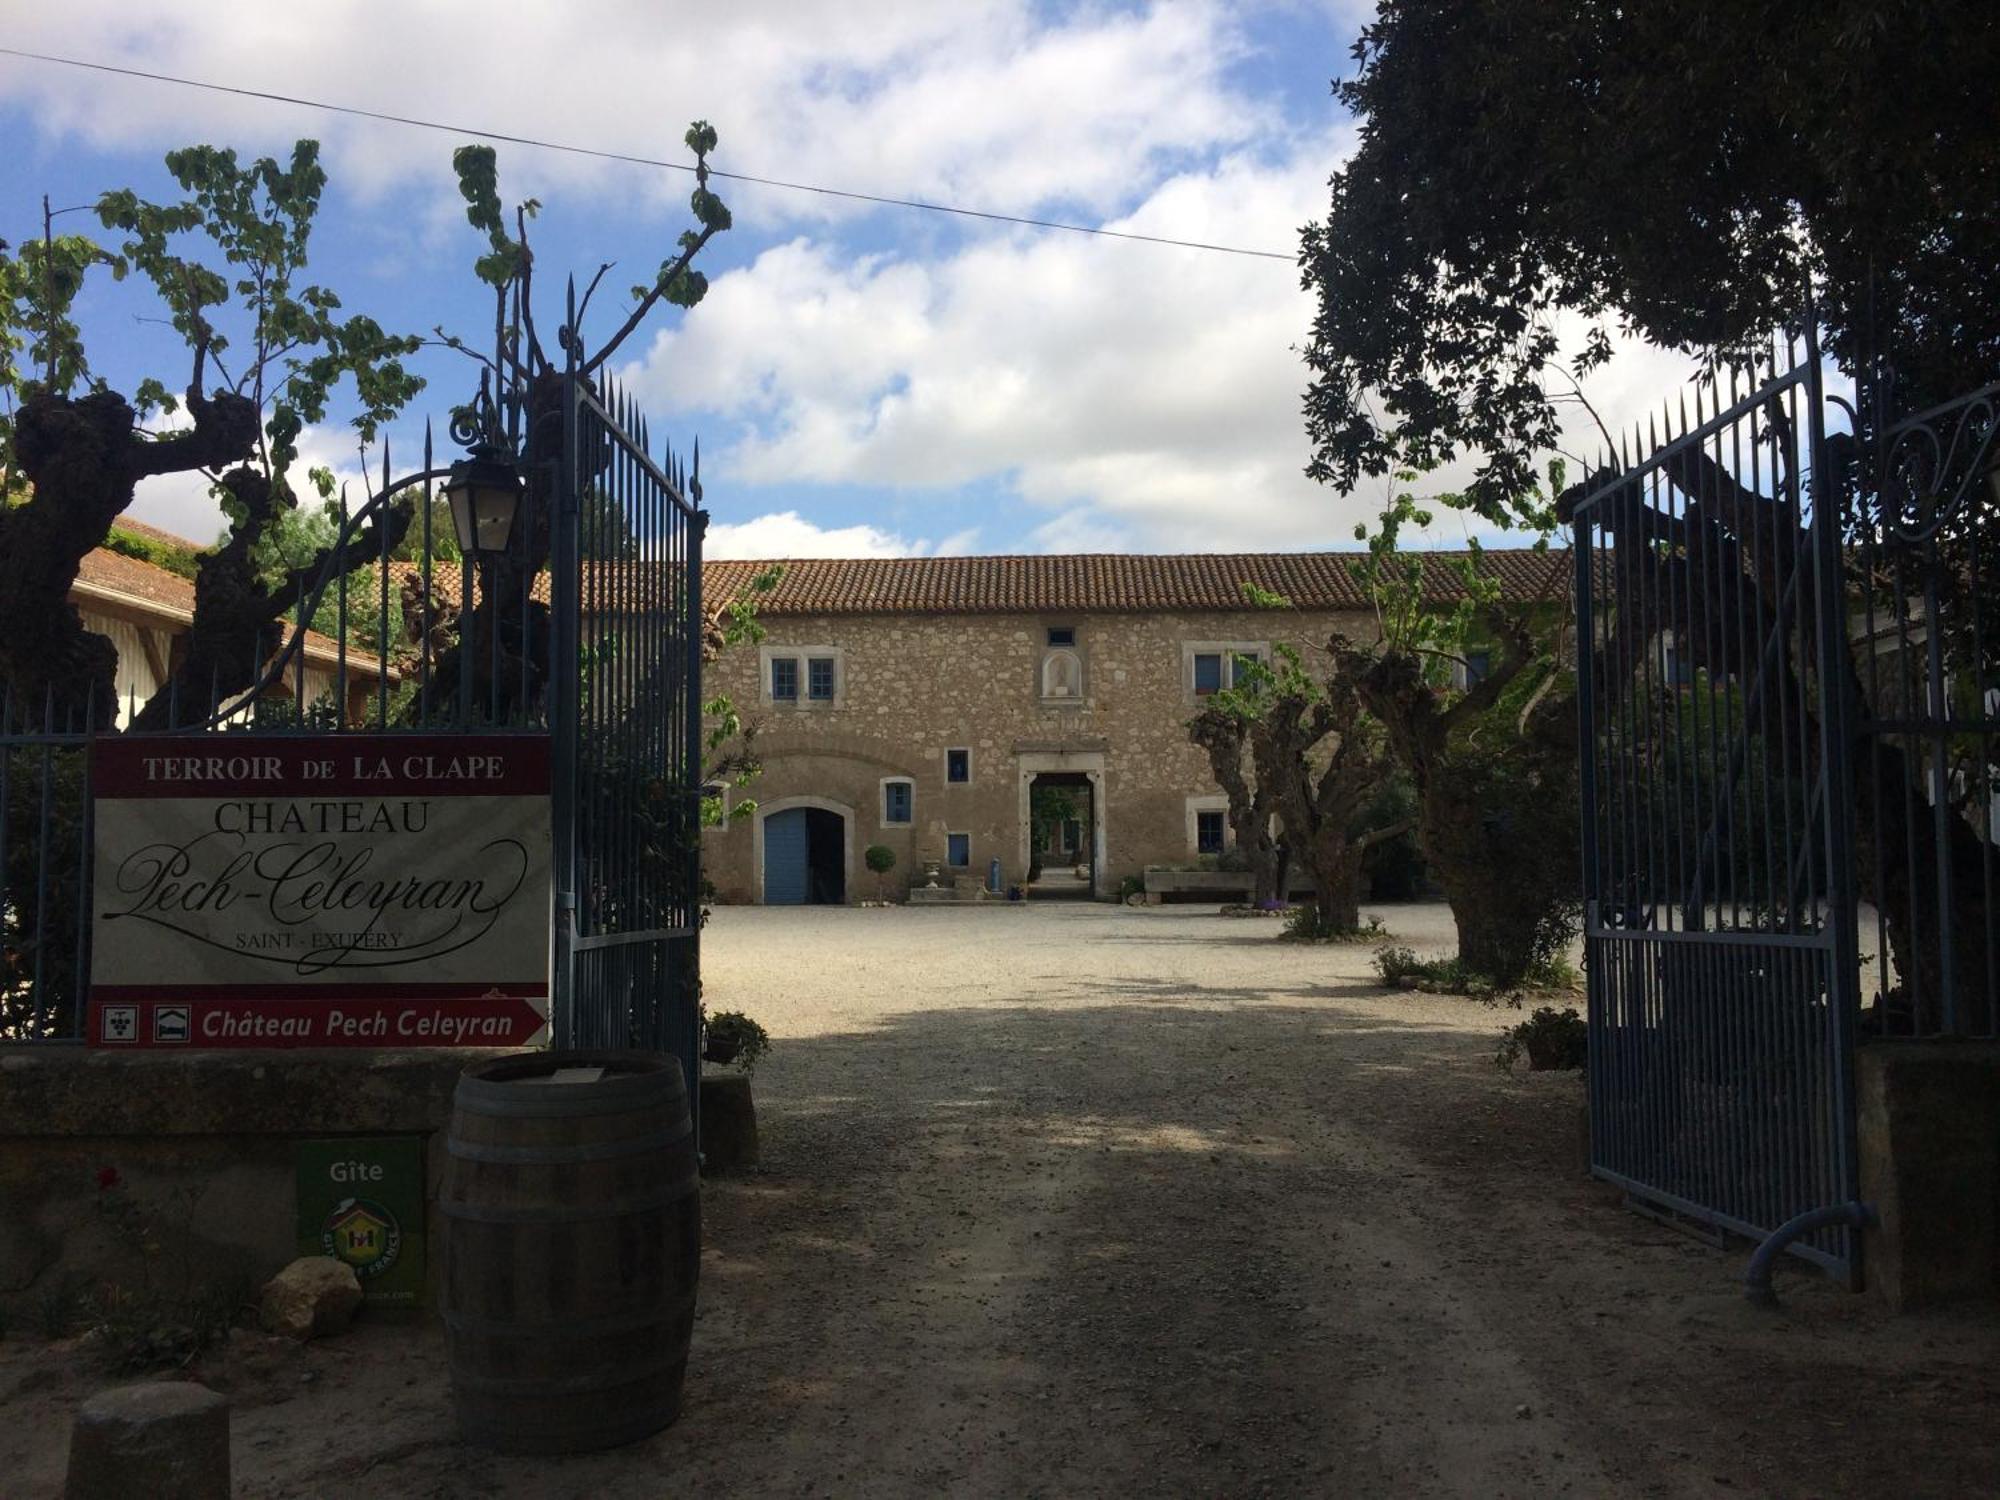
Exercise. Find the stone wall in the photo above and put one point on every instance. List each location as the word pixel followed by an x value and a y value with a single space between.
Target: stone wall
pixel 203 1144
pixel 911 688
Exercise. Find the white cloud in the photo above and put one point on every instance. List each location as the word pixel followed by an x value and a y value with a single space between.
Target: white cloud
pixel 1150 392
pixel 990 102
pixel 786 533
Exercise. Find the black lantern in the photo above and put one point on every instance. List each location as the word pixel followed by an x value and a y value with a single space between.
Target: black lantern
pixel 485 492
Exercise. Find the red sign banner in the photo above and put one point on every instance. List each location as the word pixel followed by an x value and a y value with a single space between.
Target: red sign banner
pixel 345 890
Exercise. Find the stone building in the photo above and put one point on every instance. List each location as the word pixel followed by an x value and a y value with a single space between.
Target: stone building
pixel 920 703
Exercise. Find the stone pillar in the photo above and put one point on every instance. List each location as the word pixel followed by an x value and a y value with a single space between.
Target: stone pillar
pixel 1928 1118
pixel 728 1124
pixel 167 1440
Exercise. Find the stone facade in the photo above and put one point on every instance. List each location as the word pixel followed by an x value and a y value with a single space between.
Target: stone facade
pixel 911 686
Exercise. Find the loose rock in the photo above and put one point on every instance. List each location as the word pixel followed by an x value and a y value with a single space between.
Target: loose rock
pixel 313 1297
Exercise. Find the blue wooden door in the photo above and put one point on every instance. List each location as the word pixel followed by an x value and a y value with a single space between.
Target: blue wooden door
pixel 786 868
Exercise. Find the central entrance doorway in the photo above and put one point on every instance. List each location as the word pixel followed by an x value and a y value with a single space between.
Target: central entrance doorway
pixel 1062 842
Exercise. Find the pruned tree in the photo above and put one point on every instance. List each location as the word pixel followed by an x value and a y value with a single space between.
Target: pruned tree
pixel 1322 760
pixel 1222 731
pixel 265 353
pixel 1492 755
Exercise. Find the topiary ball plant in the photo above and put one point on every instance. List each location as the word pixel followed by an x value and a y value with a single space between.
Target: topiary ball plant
pixel 881 859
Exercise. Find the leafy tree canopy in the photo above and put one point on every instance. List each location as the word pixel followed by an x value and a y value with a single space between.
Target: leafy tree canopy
pixel 1678 169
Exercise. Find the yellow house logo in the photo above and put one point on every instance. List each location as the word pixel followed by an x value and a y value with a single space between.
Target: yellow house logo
pixel 364 1234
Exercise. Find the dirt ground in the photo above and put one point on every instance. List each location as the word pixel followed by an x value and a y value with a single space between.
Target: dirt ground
pixel 1083 1200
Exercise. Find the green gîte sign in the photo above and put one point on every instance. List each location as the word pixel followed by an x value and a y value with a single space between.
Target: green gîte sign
pixel 361 1200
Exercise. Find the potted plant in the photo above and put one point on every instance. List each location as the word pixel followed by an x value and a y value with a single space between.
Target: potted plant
pixel 1552 1039
pixel 881 859
pixel 729 1037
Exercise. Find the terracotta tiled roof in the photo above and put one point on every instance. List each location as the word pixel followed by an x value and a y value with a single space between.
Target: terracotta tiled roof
pixel 112 577
pixel 1101 583
pixel 159 534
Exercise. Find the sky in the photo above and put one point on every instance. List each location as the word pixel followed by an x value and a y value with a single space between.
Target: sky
pixel 864 380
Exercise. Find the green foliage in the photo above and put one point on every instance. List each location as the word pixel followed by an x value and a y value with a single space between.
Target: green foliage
pixel 174 1305
pixel 1679 169
pixel 739 627
pixel 1130 886
pixel 730 1037
pixel 179 560
pixel 880 858
pixel 1448 974
pixel 1308 924
pixel 1551 1039
pixel 40 343
pixel 258 219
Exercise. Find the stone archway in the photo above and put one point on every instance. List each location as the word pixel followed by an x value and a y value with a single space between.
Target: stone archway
pixel 829 874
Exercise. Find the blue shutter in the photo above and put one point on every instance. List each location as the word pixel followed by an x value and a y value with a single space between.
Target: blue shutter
pixel 786 877
pixel 819 679
pixel 785 678
pixel 896 802
pixel 1208 832
pixel 958 765
pixel 1207 673
pixel 958 850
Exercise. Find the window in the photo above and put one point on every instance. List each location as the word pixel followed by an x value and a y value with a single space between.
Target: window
pixel 897 797
pixel 1208 832
pixel 1207 673
pixel 958 850
pixel 958 765
pixel 785 679
pixel 1062 635
pixel 1478 666
pixel 1239 665
pixel 819 679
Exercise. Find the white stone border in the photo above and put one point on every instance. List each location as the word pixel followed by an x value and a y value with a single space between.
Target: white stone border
pixel 1091 764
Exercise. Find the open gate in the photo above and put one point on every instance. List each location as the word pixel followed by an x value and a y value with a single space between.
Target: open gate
pixel 1714 691
pixel 626 639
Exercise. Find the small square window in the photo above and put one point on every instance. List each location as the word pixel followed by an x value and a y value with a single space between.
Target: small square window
pixel 1478 666
pixel 958 765
pixel 1240 664
pixel 1207 673
pixel 1062 635
pixel 958 850
pixel 785 679
pixel 1208 833
pixel 819 679
pixel 896 799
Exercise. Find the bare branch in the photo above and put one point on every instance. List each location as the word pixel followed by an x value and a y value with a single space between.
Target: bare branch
pixel 646 303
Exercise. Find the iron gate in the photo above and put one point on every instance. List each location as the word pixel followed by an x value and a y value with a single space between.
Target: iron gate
pixel 1718 857
pixel 627 639
pixel 586 627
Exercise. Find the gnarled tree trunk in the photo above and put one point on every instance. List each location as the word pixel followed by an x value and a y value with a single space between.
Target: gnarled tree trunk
pixel 83 458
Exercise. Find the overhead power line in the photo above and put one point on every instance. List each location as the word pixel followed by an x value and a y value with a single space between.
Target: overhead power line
pixel 640 161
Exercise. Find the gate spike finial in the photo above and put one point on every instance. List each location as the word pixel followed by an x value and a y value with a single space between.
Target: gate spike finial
pixel 694 483
pixel 427 450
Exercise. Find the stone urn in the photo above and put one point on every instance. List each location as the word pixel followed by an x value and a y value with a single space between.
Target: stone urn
pixel 932 871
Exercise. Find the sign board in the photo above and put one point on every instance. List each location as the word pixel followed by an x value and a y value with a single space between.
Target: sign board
pixel 324 891
pixel 362 1202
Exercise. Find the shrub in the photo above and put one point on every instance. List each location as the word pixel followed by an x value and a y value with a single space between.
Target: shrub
pixel 1448 974
pixel 1304 924
pixel 1130 886
pixel 880 858
pixel 1552 1039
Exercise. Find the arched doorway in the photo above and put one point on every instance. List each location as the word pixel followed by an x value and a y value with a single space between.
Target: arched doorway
pixel 804 855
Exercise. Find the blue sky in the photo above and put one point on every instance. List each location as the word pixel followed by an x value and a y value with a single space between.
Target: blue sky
pixel 863 380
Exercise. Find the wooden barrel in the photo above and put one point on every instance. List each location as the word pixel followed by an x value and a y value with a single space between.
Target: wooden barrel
pixel 572 1242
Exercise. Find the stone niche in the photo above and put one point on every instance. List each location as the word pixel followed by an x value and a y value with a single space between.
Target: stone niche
pixel 1929 1129
pixel 202 1143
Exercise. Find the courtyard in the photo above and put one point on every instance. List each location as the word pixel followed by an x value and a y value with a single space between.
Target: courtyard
pixel 1087 1200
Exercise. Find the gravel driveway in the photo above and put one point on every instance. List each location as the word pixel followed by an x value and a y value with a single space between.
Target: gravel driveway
pixel 1083 1200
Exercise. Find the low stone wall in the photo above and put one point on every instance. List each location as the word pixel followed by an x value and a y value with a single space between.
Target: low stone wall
pixel 1928 1118
pixel 203 1148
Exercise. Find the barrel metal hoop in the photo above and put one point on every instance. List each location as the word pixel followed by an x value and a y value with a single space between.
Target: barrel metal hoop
pixel 660 1197
pixel 573 1385
pixel 560 1156
pixel 617 1095
pixel 571 1328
